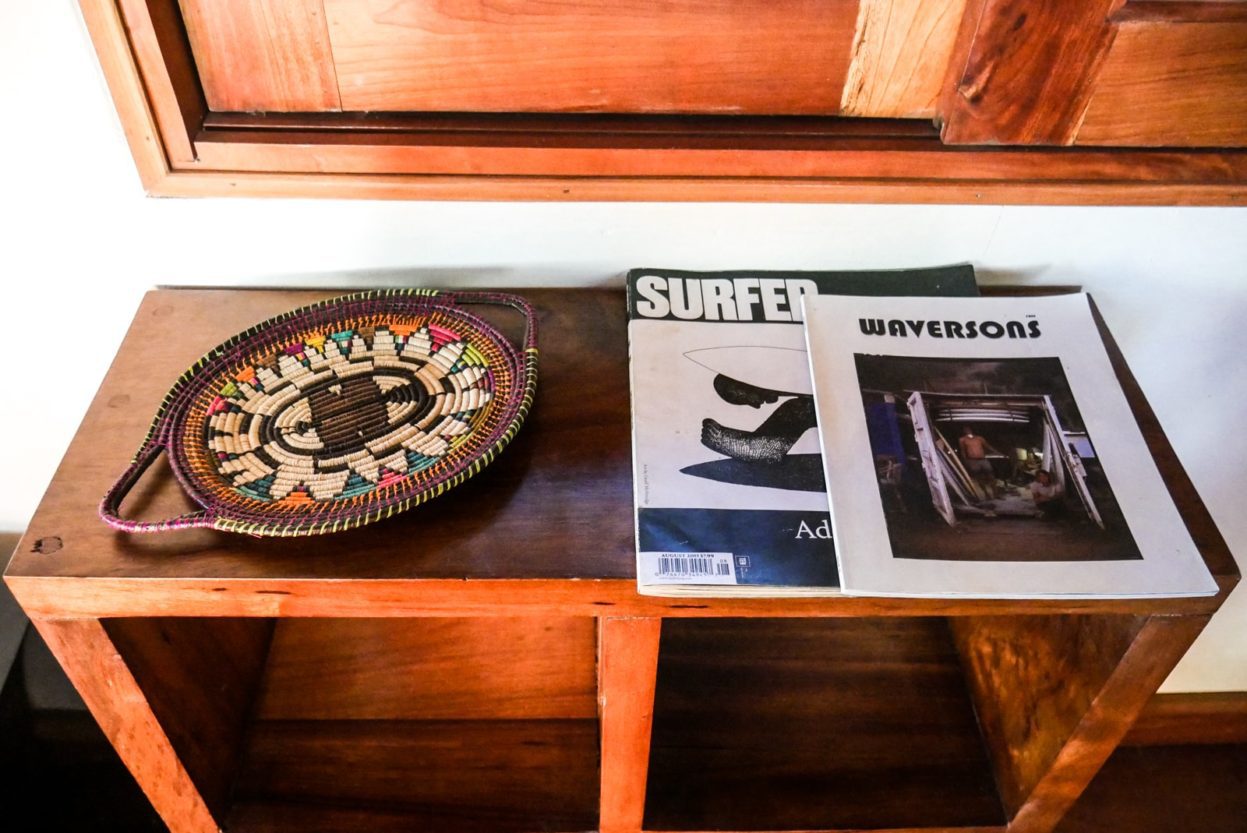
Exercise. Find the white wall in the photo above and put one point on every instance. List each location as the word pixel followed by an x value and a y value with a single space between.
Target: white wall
pixel 80 244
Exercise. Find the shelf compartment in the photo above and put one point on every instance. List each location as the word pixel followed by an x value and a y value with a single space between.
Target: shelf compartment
pixel 782 724
pixel 486 725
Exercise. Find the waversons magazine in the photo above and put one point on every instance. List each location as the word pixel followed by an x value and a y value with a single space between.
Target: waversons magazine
pixel 985 448
pixel 729 487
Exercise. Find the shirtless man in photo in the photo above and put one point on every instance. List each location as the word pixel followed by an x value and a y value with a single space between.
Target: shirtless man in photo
pixel 974 451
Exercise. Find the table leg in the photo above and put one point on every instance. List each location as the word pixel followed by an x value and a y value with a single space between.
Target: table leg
pixel 120 706
pixel 627 669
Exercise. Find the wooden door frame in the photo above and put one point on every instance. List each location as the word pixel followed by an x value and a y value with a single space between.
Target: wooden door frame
pixel 183 149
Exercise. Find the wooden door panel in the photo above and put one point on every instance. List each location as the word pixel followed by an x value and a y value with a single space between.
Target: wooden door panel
pixel 1171 83
pixel 901 52
pixel 625 56
pixel 1030 72
pixel 262 55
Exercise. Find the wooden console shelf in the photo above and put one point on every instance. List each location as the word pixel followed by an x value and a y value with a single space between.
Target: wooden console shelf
pixel 484 663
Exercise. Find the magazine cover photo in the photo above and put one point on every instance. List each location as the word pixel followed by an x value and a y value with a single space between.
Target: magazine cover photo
pixel 985 448
pixel 739 419
pixel 987 460
pixel 728 456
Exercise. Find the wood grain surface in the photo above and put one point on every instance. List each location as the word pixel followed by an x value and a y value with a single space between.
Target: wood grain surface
pixel 747 56
pixel 555 504
pixel 122 709
pixel 1030 73
pixel 1222 189
pixel 422 598
pixel 900 57
pixel 199 677
pixel 260 816
pixel 431 669
pixel 959 57
pixel 813 157
pixel 553 510
pixel 1203 718
pixel 1055 697
pixel 815 725
pixel 459 775
pixel 1167 83
pixel 1032 680
pixel 1182 11
pixel 171 78
pixel 1172 789
pixel 627 669
pixel 262 55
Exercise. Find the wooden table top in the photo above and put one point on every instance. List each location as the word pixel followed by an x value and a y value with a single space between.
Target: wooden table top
pixel 554 509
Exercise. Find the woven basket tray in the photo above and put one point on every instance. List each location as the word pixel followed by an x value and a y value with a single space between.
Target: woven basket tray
pixel 339 414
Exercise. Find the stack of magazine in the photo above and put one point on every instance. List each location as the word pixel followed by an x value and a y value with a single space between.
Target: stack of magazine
pixel 888 433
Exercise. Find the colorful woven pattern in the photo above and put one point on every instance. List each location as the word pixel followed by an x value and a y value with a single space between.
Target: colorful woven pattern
pixel 339 414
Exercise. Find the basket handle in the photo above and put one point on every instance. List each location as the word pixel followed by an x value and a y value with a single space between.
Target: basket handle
pixel 110 506
pixel 504 299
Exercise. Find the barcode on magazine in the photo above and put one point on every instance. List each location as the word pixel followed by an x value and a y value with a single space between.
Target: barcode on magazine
pixel 687 568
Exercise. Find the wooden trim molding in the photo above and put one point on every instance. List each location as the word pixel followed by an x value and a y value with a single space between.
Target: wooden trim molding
pixel 160 47
pixel 183 149
pixel 119 62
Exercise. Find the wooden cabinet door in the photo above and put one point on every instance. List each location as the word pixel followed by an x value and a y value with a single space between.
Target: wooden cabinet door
pixel 605 56
pixel 1175 75
pixel 879 100
pixel 870 58
pixel 527 56
pixel 262 55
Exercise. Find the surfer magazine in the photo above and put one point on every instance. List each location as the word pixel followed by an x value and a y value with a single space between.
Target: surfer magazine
pixel 728 475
